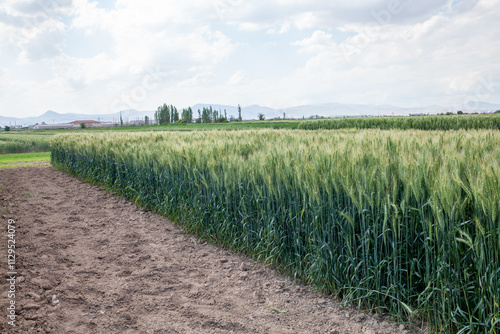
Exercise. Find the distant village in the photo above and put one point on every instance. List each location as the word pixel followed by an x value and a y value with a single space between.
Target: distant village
pixel 76 125
pixel 86 124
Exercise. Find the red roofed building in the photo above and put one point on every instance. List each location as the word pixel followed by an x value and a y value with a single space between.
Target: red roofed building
pixel 88 123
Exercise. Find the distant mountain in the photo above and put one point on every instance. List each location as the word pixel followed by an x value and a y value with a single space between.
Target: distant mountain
pixel 350 110
pixel 334 110
pixel 480 106
pixel 230 110
pixel 248 112
pixel 337 110
pixel 252 112
pixel 52 117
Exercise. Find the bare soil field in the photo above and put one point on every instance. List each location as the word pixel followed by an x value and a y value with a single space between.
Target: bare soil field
pixel 89 262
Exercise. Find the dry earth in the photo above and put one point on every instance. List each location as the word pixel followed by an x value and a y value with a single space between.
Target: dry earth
pixel 89 262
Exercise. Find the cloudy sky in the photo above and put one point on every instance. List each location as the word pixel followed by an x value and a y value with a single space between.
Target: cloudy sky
pixel 84 56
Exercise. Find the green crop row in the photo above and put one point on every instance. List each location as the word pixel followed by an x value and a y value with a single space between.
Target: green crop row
pixel 448 122
pixel 405 221
pixel 39 140
pixel 22 142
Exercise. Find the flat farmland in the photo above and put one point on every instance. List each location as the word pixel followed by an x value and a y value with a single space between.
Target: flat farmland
pixel 403 222
pixel 399 223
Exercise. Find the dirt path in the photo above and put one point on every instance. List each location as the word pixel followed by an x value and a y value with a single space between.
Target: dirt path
pixel 114 268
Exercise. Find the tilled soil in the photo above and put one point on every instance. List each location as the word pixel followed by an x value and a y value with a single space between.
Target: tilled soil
pixel 89 262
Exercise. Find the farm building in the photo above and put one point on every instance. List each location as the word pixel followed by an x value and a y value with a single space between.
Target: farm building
pixel 52 126
pixel 88 123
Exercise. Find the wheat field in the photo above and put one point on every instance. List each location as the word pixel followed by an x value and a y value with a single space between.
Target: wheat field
pixel 405 222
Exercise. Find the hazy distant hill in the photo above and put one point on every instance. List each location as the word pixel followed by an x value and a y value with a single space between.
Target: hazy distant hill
pixel 338 110
pixel 52 117
pixel 247 112
pixel 251 112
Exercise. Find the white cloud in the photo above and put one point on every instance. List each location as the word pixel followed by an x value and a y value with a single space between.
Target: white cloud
pixel 437 60
pixel 274 52
pixel 318 42
pixel 200 79
pixel 237 78
pixel 284 28
pixel 44 41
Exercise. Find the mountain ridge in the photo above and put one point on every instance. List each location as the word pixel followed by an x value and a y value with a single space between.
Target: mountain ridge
pixel 252 111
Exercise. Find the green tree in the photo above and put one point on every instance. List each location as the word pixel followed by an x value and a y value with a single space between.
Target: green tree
pixel 215 115
pixel 175 114
pixel 82 125
pixel 497 112
pixel 121 119
pixel 211 114
pixel 7 128
pixel 162 114
pixel 167 115
pixel 261 117
pixel 239 113
pixel 460 112
pixel 206 116
pixel 187 115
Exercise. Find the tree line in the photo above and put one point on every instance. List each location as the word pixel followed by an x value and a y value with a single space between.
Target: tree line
pixel 166 114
